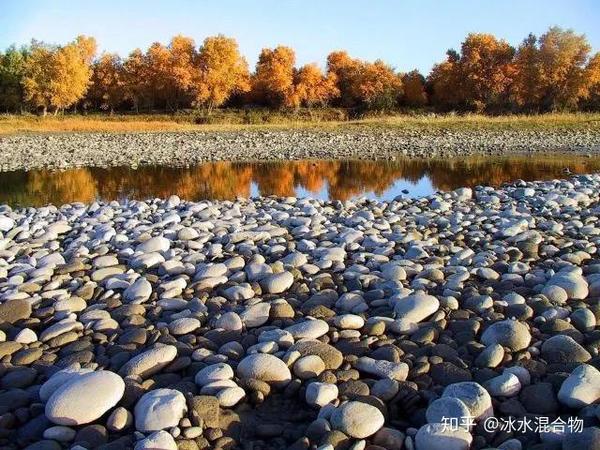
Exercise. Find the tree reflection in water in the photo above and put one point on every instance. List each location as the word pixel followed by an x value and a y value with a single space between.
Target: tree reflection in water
pixel 342 180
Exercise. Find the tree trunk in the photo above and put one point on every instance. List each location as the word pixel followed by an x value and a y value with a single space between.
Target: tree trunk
pixel 44 111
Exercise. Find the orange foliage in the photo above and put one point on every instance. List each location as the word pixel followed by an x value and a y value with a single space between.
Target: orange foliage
pixel 273 81
pixel 108 81
pixel 485 66
pixel 549 73
pixel 312 88
pixel 223 72
pixel 413 84
pixel 361 83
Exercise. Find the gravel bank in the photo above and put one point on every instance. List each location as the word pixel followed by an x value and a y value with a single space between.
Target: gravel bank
pixel 283 323
pixel 187 148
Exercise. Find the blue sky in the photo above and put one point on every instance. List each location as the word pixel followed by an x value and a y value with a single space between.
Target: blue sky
pixel 406 34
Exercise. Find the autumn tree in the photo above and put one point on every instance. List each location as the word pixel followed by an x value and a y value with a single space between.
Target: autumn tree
pixel 364 84
pixel 136 84
pixel 108 82
pixel 413 84
pixel 378 86
pixel 345 70
pixel 12 65
pixel 591 99
pixel 526 88
pixel 563 55
pixel 72 72
pixel 182 70
pixel 161 84
pixel 313 88
pixel 273 81
pixel 486 70
pixel 222 72
pixel 57 77
pixel 445 84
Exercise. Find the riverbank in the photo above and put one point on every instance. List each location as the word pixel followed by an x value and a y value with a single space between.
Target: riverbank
pixel 186 148
pixel 265 120
pixel 294 323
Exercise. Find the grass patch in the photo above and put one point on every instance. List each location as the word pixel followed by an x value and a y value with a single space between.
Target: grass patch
pixel 326 119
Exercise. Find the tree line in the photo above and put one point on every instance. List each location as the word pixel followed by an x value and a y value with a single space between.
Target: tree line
pixel 555 71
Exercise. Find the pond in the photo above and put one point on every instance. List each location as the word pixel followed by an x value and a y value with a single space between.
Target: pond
pixel 331 179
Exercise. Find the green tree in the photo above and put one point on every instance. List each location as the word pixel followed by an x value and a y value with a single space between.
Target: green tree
pixel 12 65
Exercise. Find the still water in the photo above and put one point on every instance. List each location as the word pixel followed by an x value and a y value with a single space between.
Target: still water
pixel 339 180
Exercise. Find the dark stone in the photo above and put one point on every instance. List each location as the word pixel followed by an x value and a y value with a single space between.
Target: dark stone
pixel 539 398
pixel 588 439
pixel 93 435
pixel 13 399
pixel 44 445
pixel 447 373
pixel 34 429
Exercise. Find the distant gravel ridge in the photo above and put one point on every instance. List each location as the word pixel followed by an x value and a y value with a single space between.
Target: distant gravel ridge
pixel 189 148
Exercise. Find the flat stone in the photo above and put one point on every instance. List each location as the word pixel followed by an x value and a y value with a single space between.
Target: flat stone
pixel 564 349
pixel 138 292
pixel 382 368
pixel 84 398
pixel 154 244
pixel 185 325
pixel 357 419
pixel 508 333
pixel 439 436
pixel 264 367
pixel 14 310
pixel 277 282
pixel 214 372
pixel 308 329
pixel 447 407
pixel 416 307
pixel 256 315
pixel 230 396
pixel 149 362
pixel 229 321
pixel 207 409
pixel 331 356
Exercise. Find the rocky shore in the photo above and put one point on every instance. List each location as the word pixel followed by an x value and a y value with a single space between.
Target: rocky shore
pixel 277 323
pixel 182 149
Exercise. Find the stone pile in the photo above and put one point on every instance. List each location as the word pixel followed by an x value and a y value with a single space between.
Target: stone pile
pixel 182 149
pixel 298 323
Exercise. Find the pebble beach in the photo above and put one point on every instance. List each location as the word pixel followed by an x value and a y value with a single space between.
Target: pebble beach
pixel 275 323
pixel 184 149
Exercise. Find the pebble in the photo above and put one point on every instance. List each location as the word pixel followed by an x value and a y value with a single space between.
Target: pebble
pixel 474 396
pixel 357 419
pixel 155 441
pixel 416 307
pixel 159 409
pixel 84 398
pixel 294 319
pixel 320 394
pixel 149 362
pixel 264 367
pixel 508 333
pixel 438 436
pixel 214 372
pixel 581 388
